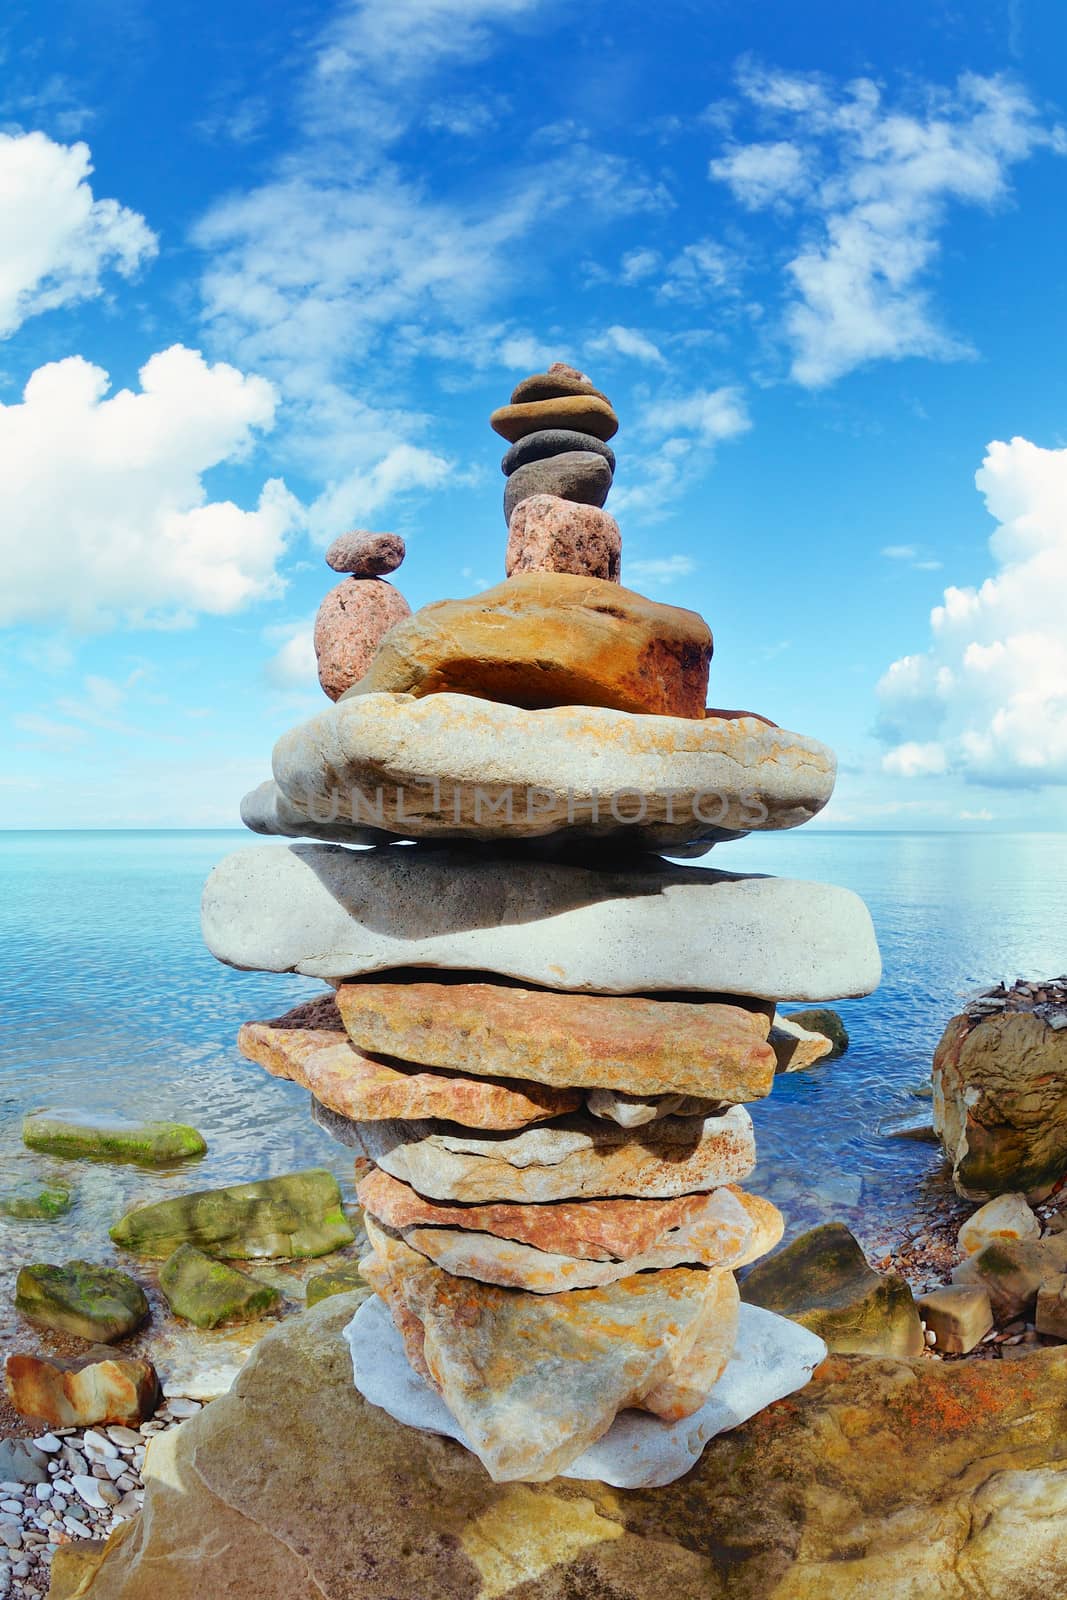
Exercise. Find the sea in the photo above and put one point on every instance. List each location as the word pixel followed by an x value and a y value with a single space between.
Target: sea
pixel 109 1002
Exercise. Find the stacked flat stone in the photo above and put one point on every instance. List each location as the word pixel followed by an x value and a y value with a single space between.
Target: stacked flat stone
pixel 558 426
pixel 540 1036
pixel 356 615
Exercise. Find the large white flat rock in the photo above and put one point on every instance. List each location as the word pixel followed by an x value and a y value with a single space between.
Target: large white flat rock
pixel 648 925
pixel 455 766
pixel 772 1358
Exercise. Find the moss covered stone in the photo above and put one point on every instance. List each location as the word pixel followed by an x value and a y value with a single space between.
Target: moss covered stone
pixel 96 1303
pixel 299 1214
pixel 341 1280
pixel 821 1019
pixel 149 1144
pixel 208 1292
pixel 30 1203
pixel 822 1280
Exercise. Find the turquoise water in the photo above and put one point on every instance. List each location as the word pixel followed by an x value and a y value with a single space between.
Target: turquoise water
pixel 109 1000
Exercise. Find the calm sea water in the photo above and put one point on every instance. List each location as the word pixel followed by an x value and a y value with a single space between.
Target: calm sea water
pixel 108 1000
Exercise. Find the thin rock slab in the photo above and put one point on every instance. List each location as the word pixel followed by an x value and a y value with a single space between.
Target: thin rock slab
pixel 454 766
pixel 728 1224
pixel 642 927
pixel 624 1042
pixel 584 413
pixel 574 1157
pixel 547 639
pixel 635 1111
pixel 533 1380
pixel 368 1088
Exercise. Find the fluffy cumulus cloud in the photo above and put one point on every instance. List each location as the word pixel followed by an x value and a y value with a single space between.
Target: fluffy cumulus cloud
pixel 866 186
pixel 988 698
pixel 106 515
pixel 56 240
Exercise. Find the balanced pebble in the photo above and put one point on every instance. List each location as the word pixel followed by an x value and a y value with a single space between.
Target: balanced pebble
pixel 365 554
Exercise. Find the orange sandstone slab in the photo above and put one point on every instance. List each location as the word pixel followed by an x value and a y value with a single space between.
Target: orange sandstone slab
pixel 356 1086
pixel 727 1224
pixel 534 1379
pixel 584 413
pixel 625 1042
pixel 550 639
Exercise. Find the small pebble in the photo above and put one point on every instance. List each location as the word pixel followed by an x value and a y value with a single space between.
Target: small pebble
pixel 43 1491
pixel 125 1438
pixel 14 1506
pixel 96 1442
pixel 49 1443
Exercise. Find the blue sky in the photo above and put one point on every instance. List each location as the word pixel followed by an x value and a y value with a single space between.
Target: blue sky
pixel 264 272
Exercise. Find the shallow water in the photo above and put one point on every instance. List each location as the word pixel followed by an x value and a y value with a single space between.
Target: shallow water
pixel 108 1000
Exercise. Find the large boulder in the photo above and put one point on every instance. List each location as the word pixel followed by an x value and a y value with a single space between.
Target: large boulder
pixel 549 639
pixel 889 1480
pixel 1000 1097
pixel 297 1215
pixel 823 1281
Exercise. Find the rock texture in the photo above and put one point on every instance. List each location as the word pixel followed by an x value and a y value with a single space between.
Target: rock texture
pixel 96 1303
pixel 31 1202
pixel 548 639
pixel 87 1136
pixel 1006 1217
pixel 959 1316
pixel 495 1356
pixel 1012 1272
pixel 62 1395
pixel 573 1157
pixel 553 442
pixel 365 1088
pixel 578 475
pixel 352 620
pixel 639 1046
pixel 888 1480
pixel 822 1281
pixel 559 380
pixel 292 1216
pixel 1000 1102
pixel 584 413
pixel 548 534
pixel 208 1292
pixel 334 913
pixel 822 1020
pixel 366 555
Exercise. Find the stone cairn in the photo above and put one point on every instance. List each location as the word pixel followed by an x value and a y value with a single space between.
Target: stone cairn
pixel 540 1034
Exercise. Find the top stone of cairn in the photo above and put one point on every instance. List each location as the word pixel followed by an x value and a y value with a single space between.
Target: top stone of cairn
pixel 558 381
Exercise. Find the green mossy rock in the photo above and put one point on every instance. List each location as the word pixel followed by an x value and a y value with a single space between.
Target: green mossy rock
pixel 148 1144
pixel 208 1292
pixel 96 1303
pixel 30 1203
pixel 820 1019
pixel 289 1217
pixel 342 1280
pixel 822 1280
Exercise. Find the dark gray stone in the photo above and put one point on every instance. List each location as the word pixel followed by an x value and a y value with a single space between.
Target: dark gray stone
pixel 578 475
pixel 553 442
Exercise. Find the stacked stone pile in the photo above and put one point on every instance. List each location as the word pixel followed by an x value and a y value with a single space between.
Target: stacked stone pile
pixel 540 1036
pixel 356 616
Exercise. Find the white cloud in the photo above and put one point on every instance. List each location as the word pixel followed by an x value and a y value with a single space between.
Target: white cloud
pixel 106 515
pixel 660 570
pixel 710 414
pixel 687 429
pixel 900 552
pixel 620 341
pixel 915 760
pixel 704 270
pixel 293 665
pixel 872 184
pixel 991 689
pixel 359 495
pixel 56 240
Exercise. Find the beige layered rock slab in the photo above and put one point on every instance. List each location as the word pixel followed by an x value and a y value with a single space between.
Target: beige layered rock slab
pixel 642 927
pixel 550 639
pixel 885 1480
pixel 639 1046
pixel 355 1085
pixel 727 1224
pixel 578 1156
pixel 453 766
pixel 585 413
pixel 533 1379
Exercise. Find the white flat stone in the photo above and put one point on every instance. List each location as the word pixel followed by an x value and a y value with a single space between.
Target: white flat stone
pixel 772 1358
pixel 332 912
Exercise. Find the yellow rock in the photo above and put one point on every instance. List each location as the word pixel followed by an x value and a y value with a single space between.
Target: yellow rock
pixel 582 413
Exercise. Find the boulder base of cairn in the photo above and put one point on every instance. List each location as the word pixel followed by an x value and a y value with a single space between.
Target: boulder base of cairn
pixel 548 534
pixel 547 639
pixel 352 621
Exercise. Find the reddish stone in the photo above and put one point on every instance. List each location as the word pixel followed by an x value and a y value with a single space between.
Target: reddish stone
pixel 113 1391
pixel 364 554
pixel 352 621
pixel 549 534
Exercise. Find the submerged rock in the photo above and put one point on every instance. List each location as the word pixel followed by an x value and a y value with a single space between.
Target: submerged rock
pixel 288 1217
pixel 342 1280
pixel 822 1280
pixel 881 1479
pixel 1000 1102
pixel 75 1133
pixel 114 1391
pixel 208 1292
pixel 821 1019
pixel 90 1302
pixel 28 1202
